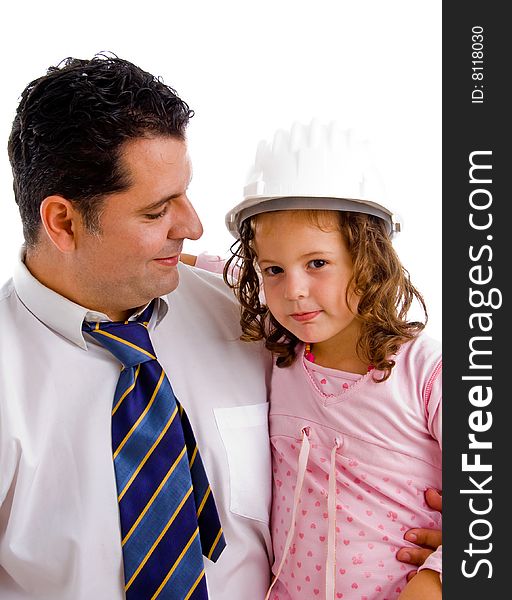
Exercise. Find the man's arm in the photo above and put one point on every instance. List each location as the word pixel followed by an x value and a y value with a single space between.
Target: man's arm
pixel 426 585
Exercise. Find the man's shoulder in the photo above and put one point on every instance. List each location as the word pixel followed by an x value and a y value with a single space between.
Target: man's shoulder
pixel 203 308
pixel 202 300
pixel 200 284
pixel 10 318
pixel 6 292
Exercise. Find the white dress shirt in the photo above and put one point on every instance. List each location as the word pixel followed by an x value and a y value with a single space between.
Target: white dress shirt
pixel 59 519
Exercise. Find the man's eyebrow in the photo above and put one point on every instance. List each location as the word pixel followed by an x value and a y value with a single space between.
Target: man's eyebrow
pixel 160 203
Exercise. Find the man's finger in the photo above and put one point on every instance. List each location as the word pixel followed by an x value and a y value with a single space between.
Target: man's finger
pixel 431 538
pixel 413 556
pixel 410 575
pixel 434 499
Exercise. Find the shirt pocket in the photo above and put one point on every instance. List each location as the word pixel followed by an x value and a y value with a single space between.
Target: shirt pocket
pixel 244 433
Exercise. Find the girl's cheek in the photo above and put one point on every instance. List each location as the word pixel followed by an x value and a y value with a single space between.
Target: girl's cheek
pixel 272 298
pixel 273 290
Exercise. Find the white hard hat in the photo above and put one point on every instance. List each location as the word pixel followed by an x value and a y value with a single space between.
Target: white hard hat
pixel 312 166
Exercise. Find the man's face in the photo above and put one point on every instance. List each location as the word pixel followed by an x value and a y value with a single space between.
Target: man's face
pixel 134 257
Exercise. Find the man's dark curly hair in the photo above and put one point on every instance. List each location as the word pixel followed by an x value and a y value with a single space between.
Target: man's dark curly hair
pixel 70 127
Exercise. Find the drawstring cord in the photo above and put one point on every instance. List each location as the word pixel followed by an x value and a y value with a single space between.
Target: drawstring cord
pixel 301 471
pixel 330 564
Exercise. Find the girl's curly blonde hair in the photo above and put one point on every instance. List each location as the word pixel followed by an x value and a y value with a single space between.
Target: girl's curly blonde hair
pixel 379 280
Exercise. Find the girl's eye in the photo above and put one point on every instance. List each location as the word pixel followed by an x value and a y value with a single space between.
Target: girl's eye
pixel 270 271
pixel 318 263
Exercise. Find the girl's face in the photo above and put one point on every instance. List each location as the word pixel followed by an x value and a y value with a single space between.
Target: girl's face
pixel 306 271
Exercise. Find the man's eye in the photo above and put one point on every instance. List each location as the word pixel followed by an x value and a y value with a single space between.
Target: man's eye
pixel 318 263
pixel 272 271
pixel 157 215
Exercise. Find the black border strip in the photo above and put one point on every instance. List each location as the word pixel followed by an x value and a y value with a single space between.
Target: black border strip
pixel 476 258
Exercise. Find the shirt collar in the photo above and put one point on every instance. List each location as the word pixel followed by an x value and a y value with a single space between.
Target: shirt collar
pixel 60 314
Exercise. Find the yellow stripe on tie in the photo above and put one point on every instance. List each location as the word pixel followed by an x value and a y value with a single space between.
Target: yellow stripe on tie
pixel 201 575
pixel 173 568
pixel 127 391
pixel 148 454
pixel 203 501
pixel 193 458
pixel 152 499
pixel 157 541
pixel 126 343
pixel 143 414
pixel 215 542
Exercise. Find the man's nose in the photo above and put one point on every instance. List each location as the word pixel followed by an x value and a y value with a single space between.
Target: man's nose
pixel 186 223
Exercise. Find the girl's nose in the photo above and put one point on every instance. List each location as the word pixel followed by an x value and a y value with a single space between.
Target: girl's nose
pixel 296 287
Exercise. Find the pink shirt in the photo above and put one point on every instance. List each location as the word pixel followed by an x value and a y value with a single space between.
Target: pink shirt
pixel 370 452
pixel 366 453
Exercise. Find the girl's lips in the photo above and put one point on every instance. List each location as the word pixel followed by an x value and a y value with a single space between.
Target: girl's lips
pixel 168 261
pixel 305 316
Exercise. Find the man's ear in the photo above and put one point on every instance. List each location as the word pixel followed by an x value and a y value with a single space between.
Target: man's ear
pixel 61 222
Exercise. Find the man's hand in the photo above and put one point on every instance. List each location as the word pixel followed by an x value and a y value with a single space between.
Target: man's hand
pixel 428 539
pixel 425 586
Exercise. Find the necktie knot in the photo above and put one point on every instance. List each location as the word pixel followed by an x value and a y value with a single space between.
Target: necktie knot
pixel 128 341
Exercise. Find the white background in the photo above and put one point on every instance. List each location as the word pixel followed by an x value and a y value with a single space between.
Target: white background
pixel 247 68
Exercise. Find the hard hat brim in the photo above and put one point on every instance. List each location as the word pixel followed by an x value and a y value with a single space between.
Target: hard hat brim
pixel 255 205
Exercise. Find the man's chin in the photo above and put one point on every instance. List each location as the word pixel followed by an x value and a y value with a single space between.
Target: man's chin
pixel 163 288
pixel 141 293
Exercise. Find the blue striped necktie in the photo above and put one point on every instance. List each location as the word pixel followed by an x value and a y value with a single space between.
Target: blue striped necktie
pixel 167 511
